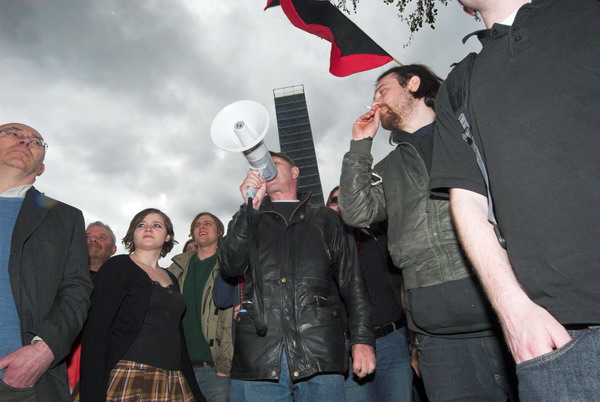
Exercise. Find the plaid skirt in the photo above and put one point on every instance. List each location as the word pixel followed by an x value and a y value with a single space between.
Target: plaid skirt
pixel 131 381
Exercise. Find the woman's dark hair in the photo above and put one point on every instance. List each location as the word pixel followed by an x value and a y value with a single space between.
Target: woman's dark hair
pixel 128 239
pixel 430 83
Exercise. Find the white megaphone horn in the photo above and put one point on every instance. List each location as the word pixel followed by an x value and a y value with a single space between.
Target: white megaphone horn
pixel 241 127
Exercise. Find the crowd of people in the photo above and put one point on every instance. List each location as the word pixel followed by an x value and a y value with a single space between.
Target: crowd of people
pixel 465 261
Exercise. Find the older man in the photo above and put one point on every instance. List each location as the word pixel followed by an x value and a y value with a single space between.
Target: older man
pixel 298 267
pixel 44 284
pixel 102 244
pixel 533 115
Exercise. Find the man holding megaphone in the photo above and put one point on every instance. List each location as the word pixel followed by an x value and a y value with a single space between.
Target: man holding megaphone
pixel 299 265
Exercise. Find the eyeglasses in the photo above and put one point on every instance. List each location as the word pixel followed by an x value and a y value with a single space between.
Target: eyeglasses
pixel 333 200
pixel 15 135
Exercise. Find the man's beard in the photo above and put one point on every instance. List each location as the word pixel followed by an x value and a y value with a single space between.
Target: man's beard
pixel 98 253
pixel 394 119
pixel 390 120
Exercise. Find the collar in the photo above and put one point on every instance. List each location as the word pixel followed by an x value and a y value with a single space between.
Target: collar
pixel 267 204
pixel 502 28
pixel 511 18
pixel 400 136
pixel 17 192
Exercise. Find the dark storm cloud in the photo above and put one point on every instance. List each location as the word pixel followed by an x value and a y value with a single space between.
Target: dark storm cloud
pixel 125 91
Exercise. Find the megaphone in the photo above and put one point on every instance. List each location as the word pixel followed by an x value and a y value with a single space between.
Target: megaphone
pixel 241 127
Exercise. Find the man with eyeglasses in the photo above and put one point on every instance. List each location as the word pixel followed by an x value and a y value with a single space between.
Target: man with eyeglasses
pixel 44 281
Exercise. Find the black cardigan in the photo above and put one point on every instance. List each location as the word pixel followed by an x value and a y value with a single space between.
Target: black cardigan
pixel 119 302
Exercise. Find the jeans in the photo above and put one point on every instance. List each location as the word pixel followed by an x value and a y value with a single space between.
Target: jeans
pixel 392 379
pixel 571 373
pixel 321 387
pixel 214 387
pixel 475 369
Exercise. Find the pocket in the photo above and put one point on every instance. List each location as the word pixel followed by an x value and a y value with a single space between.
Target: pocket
pixel 553 355
pixel 8 387
pixel 421 340
pixel 451 311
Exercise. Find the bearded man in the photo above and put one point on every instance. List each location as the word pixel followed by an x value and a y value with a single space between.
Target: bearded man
pixel 102 244
pixel 461 355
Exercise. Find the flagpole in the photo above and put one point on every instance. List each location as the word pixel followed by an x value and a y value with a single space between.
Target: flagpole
pixel 397 61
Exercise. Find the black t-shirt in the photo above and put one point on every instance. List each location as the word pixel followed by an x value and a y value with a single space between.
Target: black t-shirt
pixel 378 268
pixel 285 208
pixel 535 105
pixel 422 140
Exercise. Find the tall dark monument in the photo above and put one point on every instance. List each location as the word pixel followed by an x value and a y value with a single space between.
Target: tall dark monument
pixel 295 138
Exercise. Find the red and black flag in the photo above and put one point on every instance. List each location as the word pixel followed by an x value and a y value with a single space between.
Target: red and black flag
pixel 352 50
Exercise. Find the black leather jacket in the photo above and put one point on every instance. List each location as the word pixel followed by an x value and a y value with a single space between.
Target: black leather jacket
pixel 306 267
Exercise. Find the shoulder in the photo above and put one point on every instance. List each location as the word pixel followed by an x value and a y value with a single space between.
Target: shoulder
pixel 181 260
pixel 380 166
pixel 39 200
pixel 328 215
pixel 119 268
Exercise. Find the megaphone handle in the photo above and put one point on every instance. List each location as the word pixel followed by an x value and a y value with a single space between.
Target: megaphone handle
pixel 251 192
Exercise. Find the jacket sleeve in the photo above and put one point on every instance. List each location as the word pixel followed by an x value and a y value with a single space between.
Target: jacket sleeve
pixel 63 322
pixel 353 287
pixel 224 291
pixel 233 250
pixel 186 363
pixel 361 197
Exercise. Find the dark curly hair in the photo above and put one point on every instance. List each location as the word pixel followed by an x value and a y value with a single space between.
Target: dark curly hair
pixel 167 246
pixel 430 83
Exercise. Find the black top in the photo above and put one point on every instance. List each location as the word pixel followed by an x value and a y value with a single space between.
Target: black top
pixel 379 272
pixel 158 343
pixel 422 140
pixel 535 103
pixel 285 208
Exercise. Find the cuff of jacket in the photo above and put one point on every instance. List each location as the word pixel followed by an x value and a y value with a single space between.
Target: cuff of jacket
pixel 363 340
pixel 362 146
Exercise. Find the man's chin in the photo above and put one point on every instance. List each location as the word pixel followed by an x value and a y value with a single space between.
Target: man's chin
pixel 387 126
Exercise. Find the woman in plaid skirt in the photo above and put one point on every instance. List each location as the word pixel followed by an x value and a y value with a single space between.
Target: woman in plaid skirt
pixel 133 346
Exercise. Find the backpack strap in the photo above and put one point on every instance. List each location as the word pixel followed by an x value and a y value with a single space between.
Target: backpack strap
pixel 458 84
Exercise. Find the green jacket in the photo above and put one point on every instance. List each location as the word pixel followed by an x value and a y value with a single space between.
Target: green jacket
pixel 216 322
pixel 421 236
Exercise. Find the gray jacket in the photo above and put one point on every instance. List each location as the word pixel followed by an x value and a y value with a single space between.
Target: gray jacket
pixel 421 236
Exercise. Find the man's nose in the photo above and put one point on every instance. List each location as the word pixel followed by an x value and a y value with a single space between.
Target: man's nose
pixel 26 141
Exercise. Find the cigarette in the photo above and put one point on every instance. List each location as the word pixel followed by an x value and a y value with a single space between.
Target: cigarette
pixel 368 106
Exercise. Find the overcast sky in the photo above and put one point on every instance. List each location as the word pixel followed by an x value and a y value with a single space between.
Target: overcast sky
pixel 124 92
